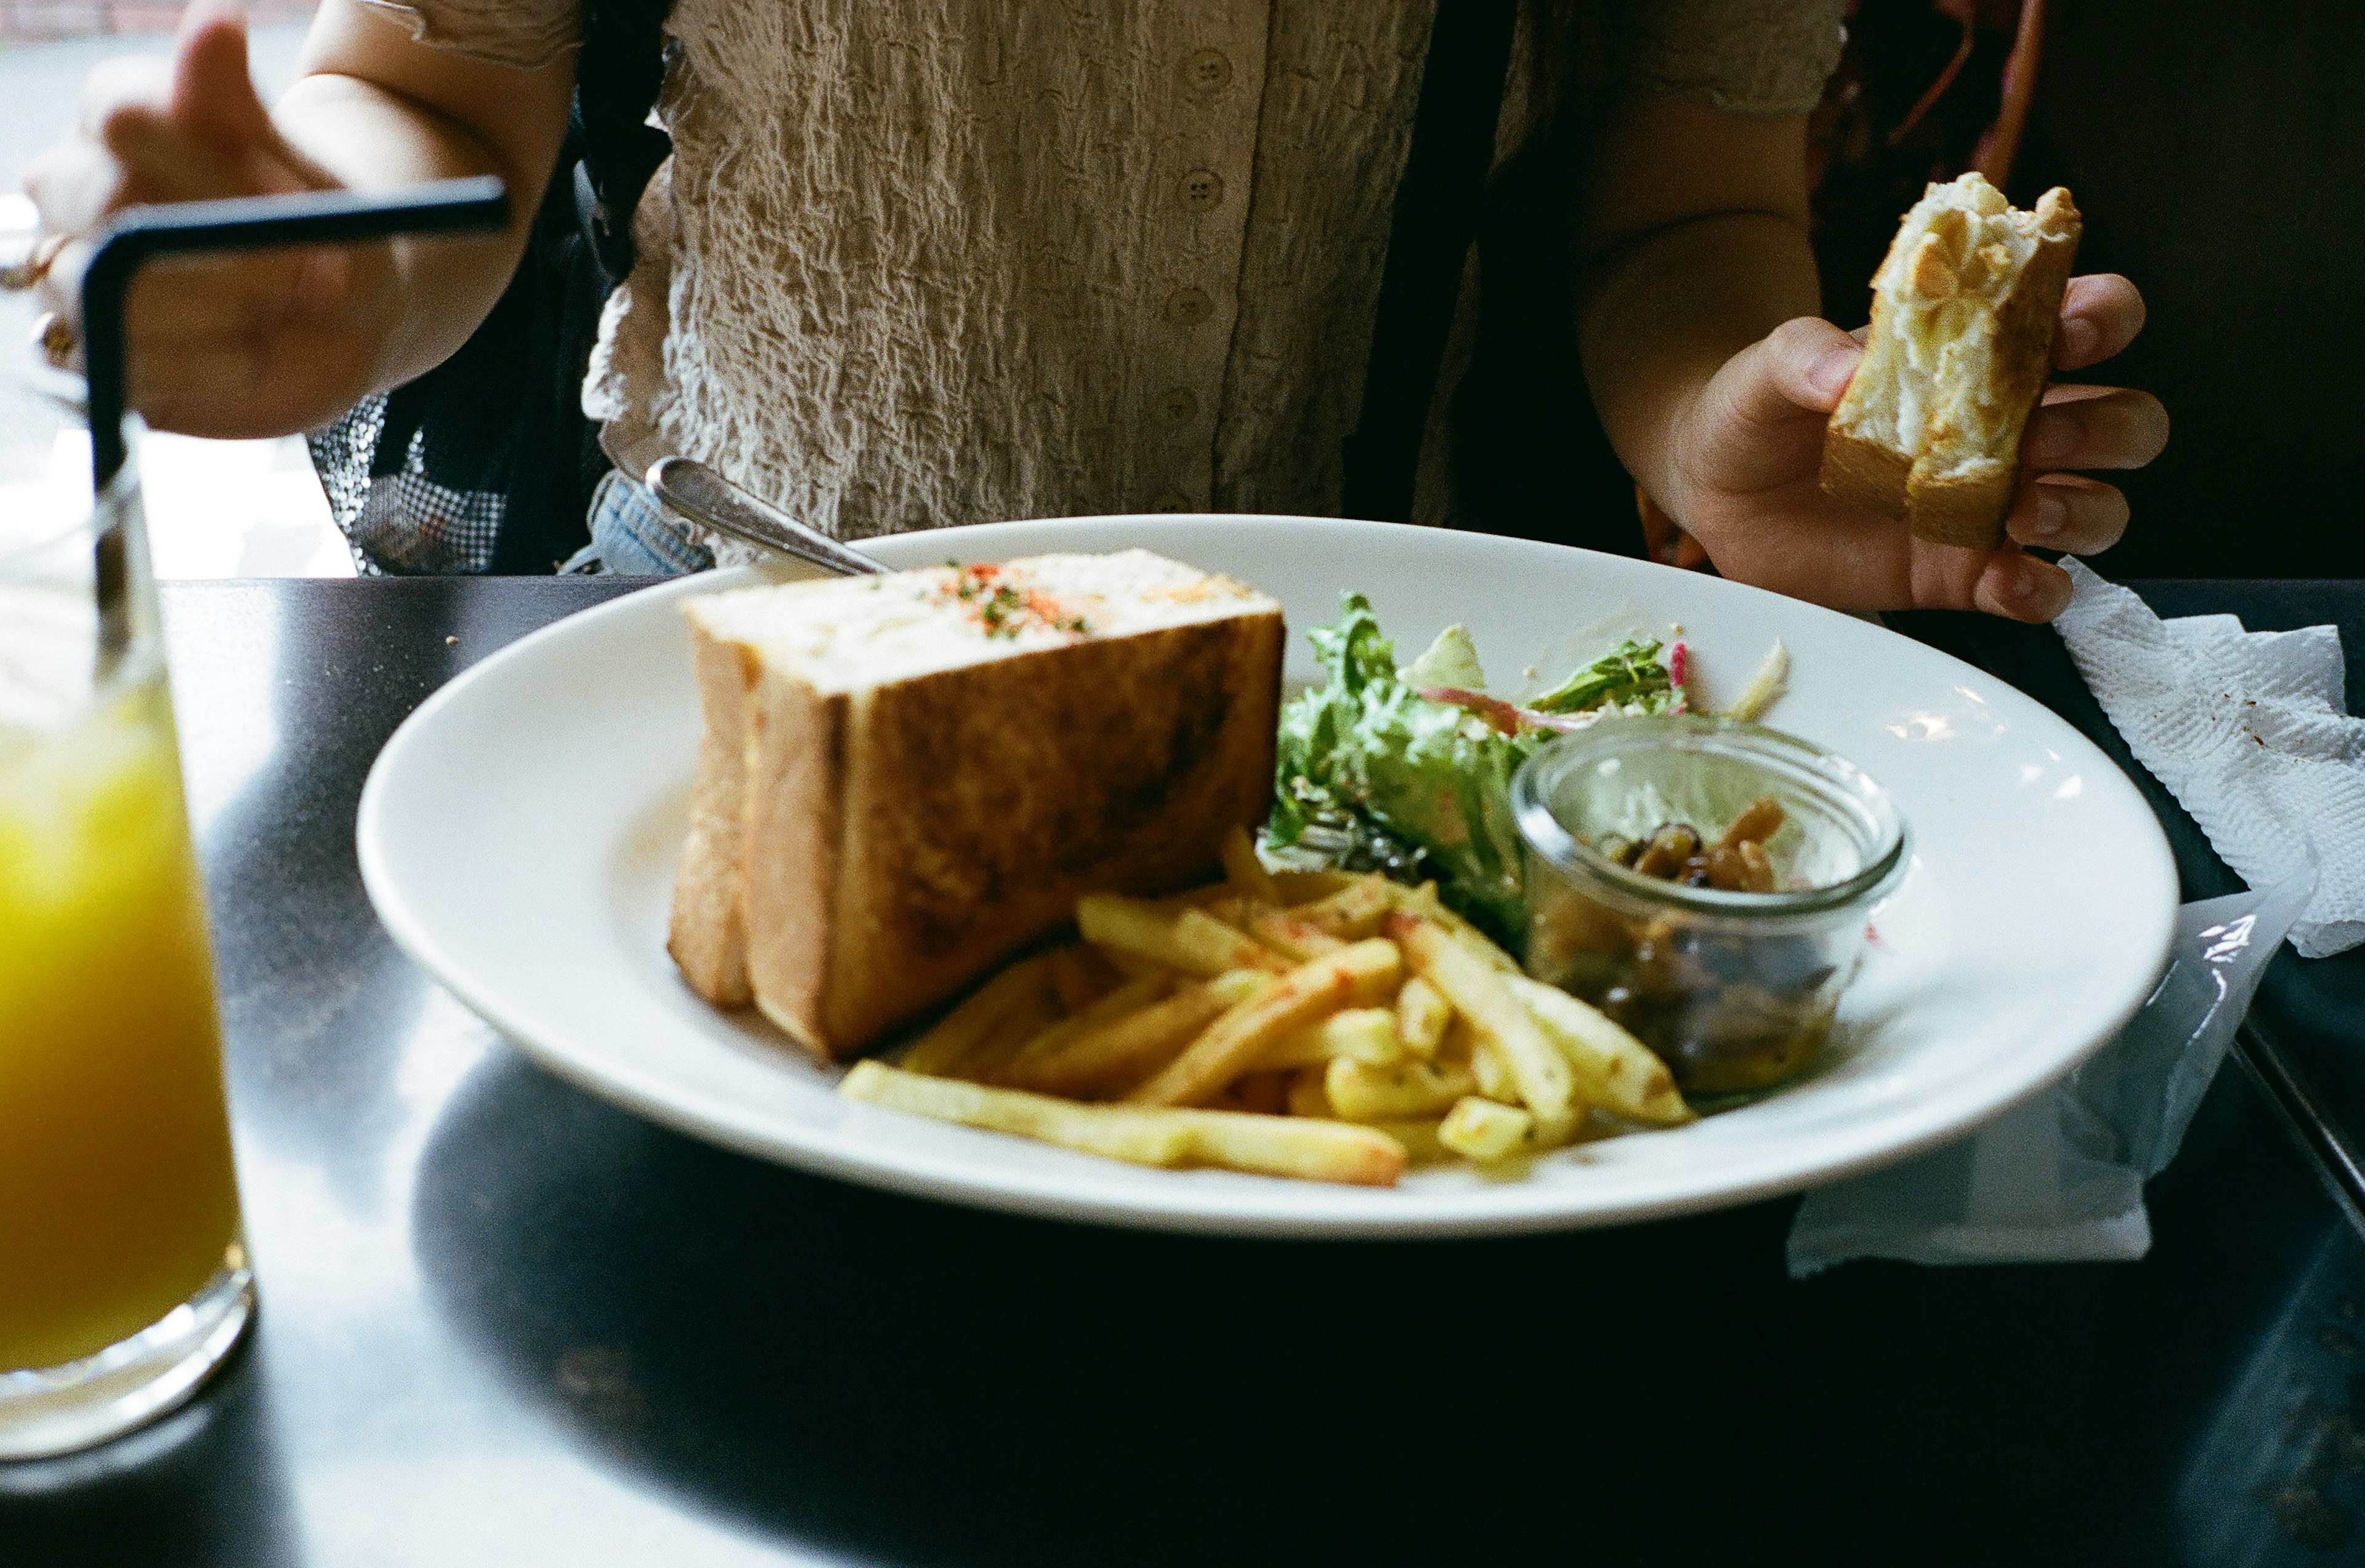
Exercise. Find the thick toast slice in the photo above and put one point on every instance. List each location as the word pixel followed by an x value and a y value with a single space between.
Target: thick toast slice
pixel 906 780
pixel 1963 315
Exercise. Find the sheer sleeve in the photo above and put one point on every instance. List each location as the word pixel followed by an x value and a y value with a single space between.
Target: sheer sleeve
pixel 1745 57
pixel 523 33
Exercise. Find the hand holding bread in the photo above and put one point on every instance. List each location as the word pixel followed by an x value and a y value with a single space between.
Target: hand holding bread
pixel 1748 478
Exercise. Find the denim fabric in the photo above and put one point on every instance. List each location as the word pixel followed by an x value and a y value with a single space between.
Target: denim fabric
pixel 633 535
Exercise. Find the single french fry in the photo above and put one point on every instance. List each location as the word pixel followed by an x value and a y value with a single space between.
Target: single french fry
pixel 1492 1069
pixel 1245 872
pixel 1187 938
pixel 1307 1096
pixel 1119 1053
pixel 1209 942
pixel 1361 1093
pixel 958 1033
pixel 1482 995
pixel 1353 977
pixel 1080 975
pixel 1366 1034
pixel 1423 903
pixel 1613 1069
pixel 1422 1014
pixel 1285 933
pixel 1304 887
pixel 1417 1137
pixel 1352 913
pixel 1486 1130
pixel 1275 1146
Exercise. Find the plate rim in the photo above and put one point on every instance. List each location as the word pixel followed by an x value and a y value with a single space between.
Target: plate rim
pixel 1511 1208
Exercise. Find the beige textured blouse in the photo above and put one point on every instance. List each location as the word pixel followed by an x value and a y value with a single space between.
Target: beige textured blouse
pixel 917 262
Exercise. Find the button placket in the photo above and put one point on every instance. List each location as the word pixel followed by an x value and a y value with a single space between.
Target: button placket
pixel 1195 225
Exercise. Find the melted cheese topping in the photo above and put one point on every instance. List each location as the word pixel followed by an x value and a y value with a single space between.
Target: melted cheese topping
pixel 851 634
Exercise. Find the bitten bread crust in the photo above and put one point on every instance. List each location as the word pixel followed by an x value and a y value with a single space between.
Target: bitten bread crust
pixel 1962 501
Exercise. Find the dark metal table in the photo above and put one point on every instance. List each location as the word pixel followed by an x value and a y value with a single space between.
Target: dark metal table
pixel 506 1324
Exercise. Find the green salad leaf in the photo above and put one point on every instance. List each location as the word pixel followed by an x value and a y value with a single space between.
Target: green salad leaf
pixel 1373 776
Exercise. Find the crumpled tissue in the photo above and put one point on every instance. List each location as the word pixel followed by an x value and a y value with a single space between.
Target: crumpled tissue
pixel 2246 730
pixel 2060 1179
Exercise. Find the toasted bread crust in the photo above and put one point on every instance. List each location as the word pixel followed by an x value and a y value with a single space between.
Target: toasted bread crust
pixel 982 800
pixel 707 934
pixel 862 852
pixel 1866 473
pixel 1954 486
pixel 795 831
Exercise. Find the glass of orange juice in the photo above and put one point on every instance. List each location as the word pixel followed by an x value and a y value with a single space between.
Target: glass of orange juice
pixel 123 1278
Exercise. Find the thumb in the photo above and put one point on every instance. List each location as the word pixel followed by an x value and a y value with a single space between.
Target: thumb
pixel 213 90
pixel 1802 365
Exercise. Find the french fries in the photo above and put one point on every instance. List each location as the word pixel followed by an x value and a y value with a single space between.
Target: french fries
pixel 1303 1146
pixel 1479 992
pixel 1189 939
pixel 1485 1131
pixel 1245 872
pixel 1285 933
pixel 1352 913
pixel 1318 1024
pixel 1361 1093
pixel 959 1032
pixel 1366 1034
pixel 1422 1014
pixel 1619 1073
pixel 1233 1044
pixel 1120 1053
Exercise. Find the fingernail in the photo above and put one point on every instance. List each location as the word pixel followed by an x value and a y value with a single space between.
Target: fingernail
pixel 2048 520
pixel 1830 372
pixel 2040 593
pixel 2051 441
pixel 2080 338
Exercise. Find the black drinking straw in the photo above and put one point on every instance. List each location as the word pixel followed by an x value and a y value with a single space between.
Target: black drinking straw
pixel 242 223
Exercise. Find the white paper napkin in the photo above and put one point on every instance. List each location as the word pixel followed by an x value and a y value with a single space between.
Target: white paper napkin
pixel 2246 730
pixel 2061 1178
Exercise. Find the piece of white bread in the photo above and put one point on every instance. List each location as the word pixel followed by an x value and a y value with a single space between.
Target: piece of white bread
pixel 906 779
pixel 1963 314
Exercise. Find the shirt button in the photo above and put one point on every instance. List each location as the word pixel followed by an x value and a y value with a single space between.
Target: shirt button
pixel 1170 500
pixel 1179 404
pixel 1189 307
pixel 1202 190
pixel 1207 70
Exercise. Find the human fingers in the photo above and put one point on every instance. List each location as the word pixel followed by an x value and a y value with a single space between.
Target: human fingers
pixel 1802 366
pixel 2068 513
pixel 212 89
pixel 114 86
pixel 2021 587
pixel 2094 426
pixel 73 186
pixel 2101 314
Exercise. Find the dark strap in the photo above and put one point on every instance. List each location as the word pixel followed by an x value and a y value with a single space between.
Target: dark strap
pixel 617 79
pixel 1436 218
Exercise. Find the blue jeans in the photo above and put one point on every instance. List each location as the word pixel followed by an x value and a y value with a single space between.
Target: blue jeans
pixel 633 535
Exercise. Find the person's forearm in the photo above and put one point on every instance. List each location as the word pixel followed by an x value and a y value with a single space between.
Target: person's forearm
pixel 1659 314
pixel 374 110
pixel 368 139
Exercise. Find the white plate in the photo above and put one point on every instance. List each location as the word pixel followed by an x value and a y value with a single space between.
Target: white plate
pixel 518 837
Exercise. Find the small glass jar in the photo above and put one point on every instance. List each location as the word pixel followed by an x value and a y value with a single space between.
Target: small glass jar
pixel 1735 991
